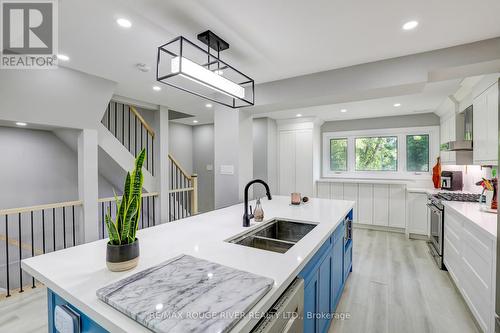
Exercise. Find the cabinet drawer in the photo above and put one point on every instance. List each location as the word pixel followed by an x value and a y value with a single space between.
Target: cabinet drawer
pixel 477 263
pixel 478 300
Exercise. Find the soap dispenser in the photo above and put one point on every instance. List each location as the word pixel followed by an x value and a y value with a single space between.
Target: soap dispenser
pixel 258 212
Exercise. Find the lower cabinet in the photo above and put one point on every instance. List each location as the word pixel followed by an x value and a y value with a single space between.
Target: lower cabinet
pixel 417 213
pixel 324 277
pixel 469 256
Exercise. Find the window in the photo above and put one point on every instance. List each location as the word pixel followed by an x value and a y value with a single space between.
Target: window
pixel 417 153
pixel 338 154
pixel 377 154
pixel 391 153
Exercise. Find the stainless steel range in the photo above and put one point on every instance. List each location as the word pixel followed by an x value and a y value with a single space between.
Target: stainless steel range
pixel 436 213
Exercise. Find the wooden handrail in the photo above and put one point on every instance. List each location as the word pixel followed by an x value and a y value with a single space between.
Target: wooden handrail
pixel 181 169
pixel 40 207
pixel 16 243
pixel 143 122
pixel 144 195
pixel 186 189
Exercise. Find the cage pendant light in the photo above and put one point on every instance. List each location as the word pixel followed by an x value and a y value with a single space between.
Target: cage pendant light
pixel 188 67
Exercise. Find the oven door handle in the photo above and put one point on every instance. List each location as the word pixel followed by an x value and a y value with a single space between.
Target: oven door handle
pixel 434 209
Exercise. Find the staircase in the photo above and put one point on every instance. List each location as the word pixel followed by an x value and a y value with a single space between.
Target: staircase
pixel 30 231
pixel 183 192
pixel 122 134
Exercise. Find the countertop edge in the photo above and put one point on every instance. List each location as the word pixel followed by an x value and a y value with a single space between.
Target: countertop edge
pixel 476 225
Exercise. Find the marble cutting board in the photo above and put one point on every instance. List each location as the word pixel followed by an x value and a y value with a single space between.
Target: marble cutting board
pixel 187 294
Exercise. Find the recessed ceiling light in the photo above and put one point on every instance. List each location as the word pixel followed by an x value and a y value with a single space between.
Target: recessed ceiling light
pixel 298 115
pixel 156 88
pixel 195 121
pixel 396 105
pixel 63 57
pixel 343 110
pixel 208 105
pixel 410 25
pixel 21 124
pixel 124 23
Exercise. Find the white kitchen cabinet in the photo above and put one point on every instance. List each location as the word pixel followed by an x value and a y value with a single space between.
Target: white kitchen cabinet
pixel 365 205
pixel 323 190
pixel 448 134
pixel 296 162
pixel 351 193
pixel 469 256
pixel 485 126
pixel 304 162
pixel 337 191
pixel 397 206
pixel 287 162
pixel 381 204
pixel 418 220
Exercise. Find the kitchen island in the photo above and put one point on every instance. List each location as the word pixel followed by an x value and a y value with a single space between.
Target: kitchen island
pixel 73 275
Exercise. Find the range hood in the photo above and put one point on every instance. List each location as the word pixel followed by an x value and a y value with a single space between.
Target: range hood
pixel 463 145
pixel 463 130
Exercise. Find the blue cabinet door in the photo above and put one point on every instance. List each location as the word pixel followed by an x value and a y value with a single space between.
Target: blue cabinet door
pixel 324 293
pixel 337 271
pixel 311 305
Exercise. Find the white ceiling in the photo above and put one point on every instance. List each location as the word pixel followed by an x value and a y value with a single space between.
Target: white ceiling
pixel 270 40
pixel 431 97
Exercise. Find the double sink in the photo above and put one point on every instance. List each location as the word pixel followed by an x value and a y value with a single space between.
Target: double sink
pixel 277 235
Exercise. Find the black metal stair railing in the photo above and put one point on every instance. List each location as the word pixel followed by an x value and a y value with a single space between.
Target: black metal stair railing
pixel 131 129
pixel 30 231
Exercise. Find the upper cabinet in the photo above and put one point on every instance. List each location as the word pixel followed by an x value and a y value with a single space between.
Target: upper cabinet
pixel 448 133
pixel 298 157
pixel 485 123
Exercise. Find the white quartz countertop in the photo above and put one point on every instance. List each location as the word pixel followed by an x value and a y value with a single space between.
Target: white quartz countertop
pixel 485 221
pixel 76 273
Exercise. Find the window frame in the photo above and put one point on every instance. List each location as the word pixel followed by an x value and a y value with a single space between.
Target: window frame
pixel 400 133
pixel 429 167
pixel 346 154
pixel 377 137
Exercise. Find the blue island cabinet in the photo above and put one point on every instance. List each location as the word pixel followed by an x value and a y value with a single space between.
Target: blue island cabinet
pixel 324 278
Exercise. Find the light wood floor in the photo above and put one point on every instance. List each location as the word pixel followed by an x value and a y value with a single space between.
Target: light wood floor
pixel 25 312
pixel 396 287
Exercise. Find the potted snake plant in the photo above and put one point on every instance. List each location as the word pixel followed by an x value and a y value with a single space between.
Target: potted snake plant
pixel 122 252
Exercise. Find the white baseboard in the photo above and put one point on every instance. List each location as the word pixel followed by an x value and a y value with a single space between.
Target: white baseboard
pixel 379 228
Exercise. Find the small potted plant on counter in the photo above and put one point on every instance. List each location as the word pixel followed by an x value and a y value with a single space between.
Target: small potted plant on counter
pixel 122 251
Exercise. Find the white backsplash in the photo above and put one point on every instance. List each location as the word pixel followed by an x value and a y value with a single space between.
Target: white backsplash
pixel 471 175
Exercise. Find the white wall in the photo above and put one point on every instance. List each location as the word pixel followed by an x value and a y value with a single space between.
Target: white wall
pixel 417 120
pixel 265 154
pixel 38 168
pixel 180 144
pixel 203 159
pixel 226 153
pixel 471 174
pixel 60 97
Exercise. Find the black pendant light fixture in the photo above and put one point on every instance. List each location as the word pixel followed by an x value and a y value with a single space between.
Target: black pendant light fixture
pixel 186 66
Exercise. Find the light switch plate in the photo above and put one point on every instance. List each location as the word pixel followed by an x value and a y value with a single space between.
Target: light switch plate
pixel 227 169
pixel 210 167
pixel 66 320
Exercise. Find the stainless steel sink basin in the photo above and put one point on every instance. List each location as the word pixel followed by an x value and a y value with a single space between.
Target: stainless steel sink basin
pixel 286 230
pixel 277 235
